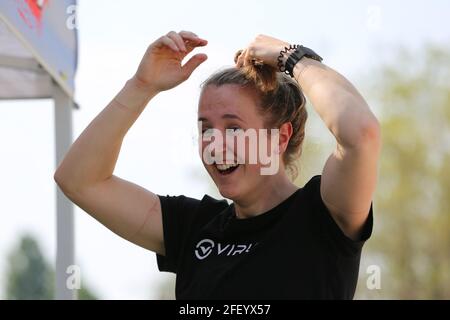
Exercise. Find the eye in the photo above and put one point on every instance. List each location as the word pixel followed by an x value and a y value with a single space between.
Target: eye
pixel 207 132
pixel 234 129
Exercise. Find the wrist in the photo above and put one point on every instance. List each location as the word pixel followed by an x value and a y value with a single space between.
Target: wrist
pixel 301 66
pixel 292 56
pixel 134 97
pixel 141 88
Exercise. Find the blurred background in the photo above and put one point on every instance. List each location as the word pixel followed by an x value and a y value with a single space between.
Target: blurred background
pixel 397 53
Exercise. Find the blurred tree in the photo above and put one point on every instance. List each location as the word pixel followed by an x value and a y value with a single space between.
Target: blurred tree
pixel 86 294
pixel 411 240
pixel 30 277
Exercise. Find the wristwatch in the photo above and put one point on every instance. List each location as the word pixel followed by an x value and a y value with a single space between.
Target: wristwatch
pixel 297 55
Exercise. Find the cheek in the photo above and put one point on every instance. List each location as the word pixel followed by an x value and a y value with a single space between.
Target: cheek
pixel 252 174
pixel 202 148
pixel 258 150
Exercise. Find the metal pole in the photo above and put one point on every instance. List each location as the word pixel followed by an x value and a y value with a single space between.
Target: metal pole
pixel 65 247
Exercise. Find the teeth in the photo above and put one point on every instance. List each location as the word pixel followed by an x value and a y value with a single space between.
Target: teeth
pixel 223 167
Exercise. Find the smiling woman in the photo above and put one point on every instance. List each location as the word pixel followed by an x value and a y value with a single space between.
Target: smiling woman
pixel 266 99
pixel 275 240
pixel 232 99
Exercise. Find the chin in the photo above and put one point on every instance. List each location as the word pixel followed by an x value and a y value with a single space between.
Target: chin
pixel 228 192
pixel 230 184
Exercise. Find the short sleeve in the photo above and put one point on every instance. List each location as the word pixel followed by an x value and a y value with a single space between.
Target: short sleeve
pixel 340 241
pixel 178 214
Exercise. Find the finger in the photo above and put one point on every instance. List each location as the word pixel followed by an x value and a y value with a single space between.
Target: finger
pixel 195 42
pixel 188 34
pixel 241 59
pixel 236 56
pixel 247 58
pixel 192 40
pixel 178 40
pixel 170 43
pixel 238 61
pixel 193 63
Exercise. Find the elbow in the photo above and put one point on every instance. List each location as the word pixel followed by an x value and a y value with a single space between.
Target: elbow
pixel 372 130
pixel 59 180
pixel 370 134
pixel 57 177
pixel 62 182
pixel 356 125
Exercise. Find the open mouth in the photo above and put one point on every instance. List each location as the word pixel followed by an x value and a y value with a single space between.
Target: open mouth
pixel 226 169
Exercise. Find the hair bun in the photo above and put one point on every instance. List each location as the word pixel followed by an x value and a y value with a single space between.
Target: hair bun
pixel 263 75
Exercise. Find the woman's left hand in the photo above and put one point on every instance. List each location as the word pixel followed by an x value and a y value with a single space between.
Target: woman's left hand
pixel 263 49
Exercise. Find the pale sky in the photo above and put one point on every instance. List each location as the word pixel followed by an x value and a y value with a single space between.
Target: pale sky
pixel 159 151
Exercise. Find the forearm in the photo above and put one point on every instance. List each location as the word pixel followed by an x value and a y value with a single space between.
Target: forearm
pixel 93 156
pixel 341 107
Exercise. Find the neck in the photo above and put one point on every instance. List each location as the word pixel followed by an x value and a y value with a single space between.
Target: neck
pixel 276 189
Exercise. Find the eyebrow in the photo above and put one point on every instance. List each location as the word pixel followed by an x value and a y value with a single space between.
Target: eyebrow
pixel 225 116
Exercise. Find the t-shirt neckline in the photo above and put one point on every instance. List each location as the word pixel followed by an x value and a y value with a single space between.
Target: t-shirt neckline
pixel 262 217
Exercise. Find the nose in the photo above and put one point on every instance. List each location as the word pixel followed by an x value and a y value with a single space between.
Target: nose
pixel 223 151
pixel 218 149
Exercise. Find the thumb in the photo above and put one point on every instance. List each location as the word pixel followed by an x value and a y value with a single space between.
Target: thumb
pixel 193 63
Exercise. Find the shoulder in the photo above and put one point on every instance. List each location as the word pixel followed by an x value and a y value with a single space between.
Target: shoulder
pixel 311 188
pixel 322 216
pixel 188 208
pixel 181 201
pixel 314 182
pixel 209 202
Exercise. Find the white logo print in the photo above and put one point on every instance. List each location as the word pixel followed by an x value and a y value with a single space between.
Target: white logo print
pixel 206 246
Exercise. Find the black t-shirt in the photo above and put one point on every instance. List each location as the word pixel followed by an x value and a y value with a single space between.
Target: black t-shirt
pixel 293 251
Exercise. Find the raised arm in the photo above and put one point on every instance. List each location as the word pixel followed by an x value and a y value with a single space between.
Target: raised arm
pixel 350 174
pixel 349 177
pixel 86 173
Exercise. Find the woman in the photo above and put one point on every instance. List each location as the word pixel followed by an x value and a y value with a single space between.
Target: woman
pixel 275 240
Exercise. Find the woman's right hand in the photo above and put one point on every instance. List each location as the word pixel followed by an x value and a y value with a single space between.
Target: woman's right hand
pixel 161 69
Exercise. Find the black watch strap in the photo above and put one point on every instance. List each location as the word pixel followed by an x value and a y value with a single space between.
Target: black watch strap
pixel 297 55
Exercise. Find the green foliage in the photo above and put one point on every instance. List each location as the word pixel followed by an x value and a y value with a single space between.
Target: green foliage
pixel 411 237
pixel 411 240
pixel 30 277
pixel 86 294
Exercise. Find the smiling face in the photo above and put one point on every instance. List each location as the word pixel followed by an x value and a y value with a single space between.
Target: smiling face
pixel 234 108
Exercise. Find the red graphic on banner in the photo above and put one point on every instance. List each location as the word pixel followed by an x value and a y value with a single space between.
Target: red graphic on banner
pixel 31 12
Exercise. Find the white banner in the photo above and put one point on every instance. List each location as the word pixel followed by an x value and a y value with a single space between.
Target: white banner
pixel 37 38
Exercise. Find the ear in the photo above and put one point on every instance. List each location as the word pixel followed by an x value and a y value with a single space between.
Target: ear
pixel 285 134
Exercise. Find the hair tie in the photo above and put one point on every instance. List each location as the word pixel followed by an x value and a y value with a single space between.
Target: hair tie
pixel 281 64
